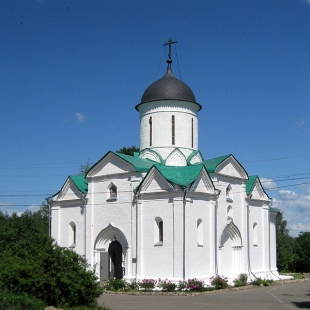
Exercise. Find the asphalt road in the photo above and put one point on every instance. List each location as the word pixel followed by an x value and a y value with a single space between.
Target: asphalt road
pixel 285 296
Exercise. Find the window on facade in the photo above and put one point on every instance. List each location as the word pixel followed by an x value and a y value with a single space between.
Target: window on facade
pixel 199 233
pixel 158 231
pixel 151 129
pixel 72 235
pixel 255 241
pixel 173 129
pixel 230 214
pixel 112 194
pixel 229 193
pixel 192 132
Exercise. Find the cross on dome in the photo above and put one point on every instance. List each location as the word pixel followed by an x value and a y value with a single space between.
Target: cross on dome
pixel 169 60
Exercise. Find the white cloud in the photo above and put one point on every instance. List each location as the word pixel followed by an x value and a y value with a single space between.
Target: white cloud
pixel 9 209
pixel 80 117
pixel 296 210
pixel 268 184
pixel 297 228
pixel 307 1
pixel 287 195
pixel 33 208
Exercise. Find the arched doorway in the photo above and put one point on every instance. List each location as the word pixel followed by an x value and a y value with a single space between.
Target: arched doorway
pixel 231 251
pixel 115 254
pixel 110 253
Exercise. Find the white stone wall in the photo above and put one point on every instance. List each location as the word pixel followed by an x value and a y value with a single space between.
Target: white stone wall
pixel 161 113
pixel 256 246
pixel 199 256
pixel 180 256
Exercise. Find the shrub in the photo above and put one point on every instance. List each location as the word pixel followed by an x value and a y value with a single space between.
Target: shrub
pixel 242 280
pixel 182 286
pixel 115 284
pixel 133 285
pixel 261 282
pixel 166 285
pixel 195 285
pixel 148 284
pixel 31 263
pixel 219 282
pixel 11 301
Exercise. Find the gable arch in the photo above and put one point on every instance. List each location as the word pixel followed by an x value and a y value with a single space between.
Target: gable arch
pixel 231 231
pixel 176 158
pixel 151 154
pixel 108 235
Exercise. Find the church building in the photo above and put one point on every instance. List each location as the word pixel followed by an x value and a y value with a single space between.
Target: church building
pixel 167 212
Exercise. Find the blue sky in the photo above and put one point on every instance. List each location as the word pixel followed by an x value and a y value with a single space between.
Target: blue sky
pixel 73 71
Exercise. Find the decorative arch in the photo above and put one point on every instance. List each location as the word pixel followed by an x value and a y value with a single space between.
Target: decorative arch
pixel 152 155
pixel 108 235
pixel 176 158
pixel 230 254
pixel 231 231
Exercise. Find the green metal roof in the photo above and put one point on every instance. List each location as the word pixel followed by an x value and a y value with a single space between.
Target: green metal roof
pixel 80 182
pixel 250 183
pixel 211 164
pixel 140 164
pixel 182 176
pixel 189 158
pixel 274 210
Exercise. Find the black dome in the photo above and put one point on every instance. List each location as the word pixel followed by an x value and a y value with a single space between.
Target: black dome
pixel 168 88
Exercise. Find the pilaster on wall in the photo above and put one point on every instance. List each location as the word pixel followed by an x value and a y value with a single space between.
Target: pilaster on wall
pixel 178 238
pixel 213 253
pixel 139 240
pixel 245 227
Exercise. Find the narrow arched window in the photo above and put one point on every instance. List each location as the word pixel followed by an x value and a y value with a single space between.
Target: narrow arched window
pixel 230 214
pixel 151 129
pixel 173 129
pixel 192 132
pixel 199 233
pixel 112 194
pixel 255 241
pixel 229 193
pixel 158 231
pixel 72 235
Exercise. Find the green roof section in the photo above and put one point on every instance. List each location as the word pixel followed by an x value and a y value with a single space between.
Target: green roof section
pixel 211 164
pixel 274 210
pixel 140 164
pixel 189 158
pixel 182 176
pixel 250 183
pixel 80 182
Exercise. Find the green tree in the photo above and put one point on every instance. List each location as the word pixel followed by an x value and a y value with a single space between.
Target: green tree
pixel 286 255
pixel 303 252
pixel 129 150
pixel 85 167
pixel 31 263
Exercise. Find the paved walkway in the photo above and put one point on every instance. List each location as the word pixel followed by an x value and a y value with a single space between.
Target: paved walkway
pixel 294 295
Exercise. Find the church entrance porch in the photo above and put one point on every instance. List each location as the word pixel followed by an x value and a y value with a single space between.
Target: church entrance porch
pixel 110 253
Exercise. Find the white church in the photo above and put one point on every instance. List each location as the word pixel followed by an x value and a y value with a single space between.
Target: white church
pixel 167 212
